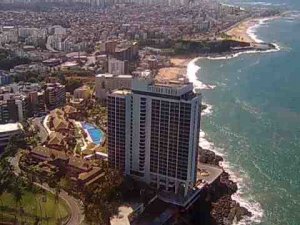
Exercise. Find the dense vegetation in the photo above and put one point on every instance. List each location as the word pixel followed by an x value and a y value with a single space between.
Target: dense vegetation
pixel 17 190
pixel 207 47
pixel 8 61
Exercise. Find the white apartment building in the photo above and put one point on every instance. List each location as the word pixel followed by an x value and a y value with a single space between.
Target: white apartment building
pixel 108 82
pixel 7 131
pixel 117 67
pixel 155 138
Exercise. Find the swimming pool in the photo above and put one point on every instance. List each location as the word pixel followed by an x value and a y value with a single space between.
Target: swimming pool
pixel 95 133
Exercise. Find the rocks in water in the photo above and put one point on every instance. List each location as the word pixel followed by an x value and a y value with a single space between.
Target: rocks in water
pixel 215 205
pixel 203 107
pixel 226 210
pixel 230 186
pixel 209 157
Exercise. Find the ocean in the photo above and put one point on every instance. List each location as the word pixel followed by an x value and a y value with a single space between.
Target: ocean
pixel 253 118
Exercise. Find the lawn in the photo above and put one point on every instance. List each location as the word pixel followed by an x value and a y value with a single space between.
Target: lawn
pixel 33 207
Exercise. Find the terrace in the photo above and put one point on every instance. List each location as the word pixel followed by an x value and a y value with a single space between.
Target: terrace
pixel 206 175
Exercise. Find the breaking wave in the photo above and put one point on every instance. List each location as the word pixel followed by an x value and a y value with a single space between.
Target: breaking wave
pixel 251 205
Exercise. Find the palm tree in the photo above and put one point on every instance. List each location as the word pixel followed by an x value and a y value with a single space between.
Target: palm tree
pixel 6 177
pixel 57 192
pixel 18 195
pixel 2 190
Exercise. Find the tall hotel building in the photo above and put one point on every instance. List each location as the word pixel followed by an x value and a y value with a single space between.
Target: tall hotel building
pixel 153 133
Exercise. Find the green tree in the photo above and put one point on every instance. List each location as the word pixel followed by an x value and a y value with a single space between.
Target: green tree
pixel 18 195
pixel 72 84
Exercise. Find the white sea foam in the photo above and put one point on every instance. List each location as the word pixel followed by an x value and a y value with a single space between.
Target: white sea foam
pixel 192 69
pixel 252 33
pixel 264 3
pixel 252 30
pixel 276 49
pixel 208 110
pixel 252 206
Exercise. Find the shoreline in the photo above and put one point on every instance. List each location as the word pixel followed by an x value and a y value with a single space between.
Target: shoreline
pixel 227 204
pixel 245 28
pixel 247 210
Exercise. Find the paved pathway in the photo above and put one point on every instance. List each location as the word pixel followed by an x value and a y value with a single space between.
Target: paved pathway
pixel 74 205
pixel 43 134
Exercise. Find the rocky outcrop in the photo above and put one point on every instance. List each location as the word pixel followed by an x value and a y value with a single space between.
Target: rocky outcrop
pixel 209 157
pixel 226 210
pixel 215 205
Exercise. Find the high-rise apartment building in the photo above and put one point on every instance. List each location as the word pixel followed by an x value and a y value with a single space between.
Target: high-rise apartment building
pixel 119 128
pixel 25 100
pixel 117 67
pixel 55 95
pixel 153 133
pixel 12 108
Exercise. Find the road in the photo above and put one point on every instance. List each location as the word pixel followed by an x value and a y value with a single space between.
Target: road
pixel 90 60
pixel 48 44
pixel 74 205
pixel 43 134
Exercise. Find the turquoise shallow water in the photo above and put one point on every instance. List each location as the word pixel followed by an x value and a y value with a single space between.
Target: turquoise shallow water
pixel 255 120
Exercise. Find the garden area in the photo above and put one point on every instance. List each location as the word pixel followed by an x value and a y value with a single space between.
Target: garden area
pixel 21 201
pixel 33 208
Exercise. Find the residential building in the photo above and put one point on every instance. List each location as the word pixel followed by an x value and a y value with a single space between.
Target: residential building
pixel 36 102
pixel 12 108
pixel 83 92
pixel 24 100
pixel 7 131
pixel 119 124
pixel 153 133
pixel 106 83
pixel 5 78
pixel 81 172
pixel 55 95
pixel 126 51
pixel 117 67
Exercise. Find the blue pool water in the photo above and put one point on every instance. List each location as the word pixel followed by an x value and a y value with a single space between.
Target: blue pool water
pixel 96 134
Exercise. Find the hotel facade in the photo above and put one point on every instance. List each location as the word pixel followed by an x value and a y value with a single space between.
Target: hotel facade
pixel 153 133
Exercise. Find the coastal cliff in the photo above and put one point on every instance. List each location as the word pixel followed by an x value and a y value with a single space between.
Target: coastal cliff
pixel 218 47
pixel 215 205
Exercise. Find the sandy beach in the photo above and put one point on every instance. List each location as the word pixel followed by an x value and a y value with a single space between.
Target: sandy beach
pixel 177 70
pixel 240 31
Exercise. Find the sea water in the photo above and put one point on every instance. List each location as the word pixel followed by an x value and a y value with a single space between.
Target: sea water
pixel 253 118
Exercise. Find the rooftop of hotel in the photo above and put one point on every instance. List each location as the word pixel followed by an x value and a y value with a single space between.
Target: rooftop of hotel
pixel 109 75
pixel 172 83
pixel 106 75
pixel 121 92
pixel 124 76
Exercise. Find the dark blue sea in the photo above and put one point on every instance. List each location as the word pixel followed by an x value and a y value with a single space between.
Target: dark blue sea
pixel 253 118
